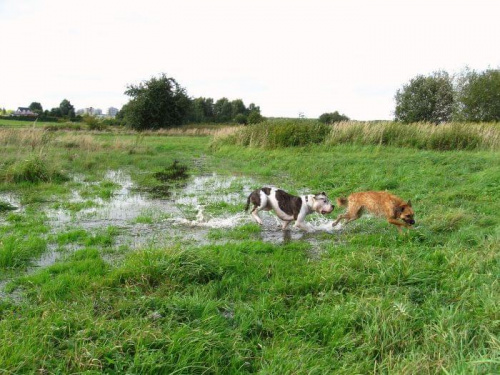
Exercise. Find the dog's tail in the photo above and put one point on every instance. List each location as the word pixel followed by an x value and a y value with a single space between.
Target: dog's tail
pixel 248 203
pixel 342 201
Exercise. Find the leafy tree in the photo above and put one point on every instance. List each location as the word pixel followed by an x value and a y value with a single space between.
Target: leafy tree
pixel 36 108
pixel 237 107
pixel 330 118
pixel 478 96
pixel 121 113
pixel 253 108
pixel 424 98
pixel 66 107
pixel 240 118
pixel 255 117
pixel 158 103
pixel 201 110
pixel 56 112
pixel 223 110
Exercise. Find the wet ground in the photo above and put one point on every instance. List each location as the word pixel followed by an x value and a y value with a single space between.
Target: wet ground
pixel 186 216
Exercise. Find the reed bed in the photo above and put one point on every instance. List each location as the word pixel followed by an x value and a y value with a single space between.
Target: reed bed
pixel 288 133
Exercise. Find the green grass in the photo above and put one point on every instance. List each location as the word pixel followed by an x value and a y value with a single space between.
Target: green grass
pixel 288 133
pixel 17 123
pixel 371 301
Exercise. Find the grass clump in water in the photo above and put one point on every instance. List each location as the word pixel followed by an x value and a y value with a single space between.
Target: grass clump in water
pixel 16 251
pixel 34 170
pixel 176 171
pixel 6 206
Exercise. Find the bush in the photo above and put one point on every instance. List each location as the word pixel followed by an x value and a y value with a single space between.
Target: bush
pixel 330 118
pixel 93 123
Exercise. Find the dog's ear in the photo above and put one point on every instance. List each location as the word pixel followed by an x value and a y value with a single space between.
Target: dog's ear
pixel 409 203
pixel 323 193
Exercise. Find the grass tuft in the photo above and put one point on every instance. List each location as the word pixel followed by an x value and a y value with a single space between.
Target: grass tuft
pixel 34 170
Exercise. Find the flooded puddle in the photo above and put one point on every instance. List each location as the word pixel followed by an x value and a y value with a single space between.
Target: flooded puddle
pixel 186 216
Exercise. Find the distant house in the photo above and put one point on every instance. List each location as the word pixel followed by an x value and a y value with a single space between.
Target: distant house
pixel 24 111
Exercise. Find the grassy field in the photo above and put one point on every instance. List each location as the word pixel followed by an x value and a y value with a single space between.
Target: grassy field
pixel 4 123
pixel 368 301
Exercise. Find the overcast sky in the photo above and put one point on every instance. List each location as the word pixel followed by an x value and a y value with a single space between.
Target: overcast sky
pixel 286 56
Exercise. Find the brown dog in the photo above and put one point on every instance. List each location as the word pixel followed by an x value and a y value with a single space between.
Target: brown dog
pixel 380 203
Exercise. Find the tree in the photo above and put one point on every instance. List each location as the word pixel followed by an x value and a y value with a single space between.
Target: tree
pixel 56 112
pixel 36 108
pixel 158 103
pixel 223 110
pixel 237 107
pixel 427 99
pixel 330 118
pixel 254 117
pixel 66 107
pixel 253 108
pixel 478 96
pixel 240 118
pixel 201 110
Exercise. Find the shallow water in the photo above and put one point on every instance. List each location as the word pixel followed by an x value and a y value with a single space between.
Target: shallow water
pixel 145 221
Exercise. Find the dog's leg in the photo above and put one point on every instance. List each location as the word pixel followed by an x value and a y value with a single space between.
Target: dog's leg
pixel 285 225
pixel 255 214
pixel 302 225
pixel 350 215
pixel 259 205
pixel 398 224
pixel 339 218
pixel 300 221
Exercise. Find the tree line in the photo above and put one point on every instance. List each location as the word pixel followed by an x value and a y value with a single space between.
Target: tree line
pixel 162 102
pixel 65 111
pixel 470 96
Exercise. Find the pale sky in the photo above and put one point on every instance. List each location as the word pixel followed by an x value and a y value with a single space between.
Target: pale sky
pixel 287 56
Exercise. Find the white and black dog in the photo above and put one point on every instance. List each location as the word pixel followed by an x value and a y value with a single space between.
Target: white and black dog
pixel 288 207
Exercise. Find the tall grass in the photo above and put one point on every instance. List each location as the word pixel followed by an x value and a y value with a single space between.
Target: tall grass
pixel 288 133
pixel 33 170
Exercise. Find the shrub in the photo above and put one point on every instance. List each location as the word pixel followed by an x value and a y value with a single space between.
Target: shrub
pixel 93 123
pixel 330 118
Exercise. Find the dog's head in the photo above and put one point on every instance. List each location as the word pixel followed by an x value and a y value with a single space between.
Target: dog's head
pixel 321 204
pixel 405 213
